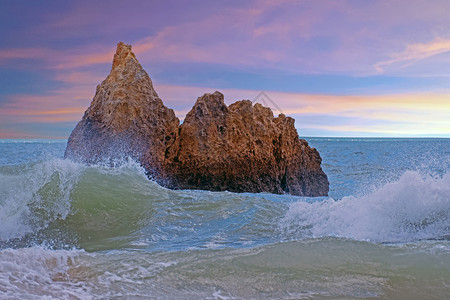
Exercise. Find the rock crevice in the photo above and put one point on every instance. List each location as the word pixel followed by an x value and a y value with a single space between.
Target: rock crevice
pixel 239 148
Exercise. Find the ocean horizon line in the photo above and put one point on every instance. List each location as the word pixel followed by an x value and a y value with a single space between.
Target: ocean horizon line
pixel 302 137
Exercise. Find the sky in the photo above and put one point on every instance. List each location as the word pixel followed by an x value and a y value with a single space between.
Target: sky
pixel 340 68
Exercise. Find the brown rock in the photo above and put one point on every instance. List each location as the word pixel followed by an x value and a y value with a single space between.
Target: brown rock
pixel 240 148
pixel 125 119
pixel 243 148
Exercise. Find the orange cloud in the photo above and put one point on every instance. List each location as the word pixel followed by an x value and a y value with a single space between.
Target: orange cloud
pixel 404 114
pixel 60 59
pixel 63 105
pixel 46 116
pixel 83 60
pixel 390 115
pixel 25 53
pixel 78 78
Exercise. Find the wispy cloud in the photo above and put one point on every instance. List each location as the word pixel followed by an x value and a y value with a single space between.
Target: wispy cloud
pixel 81 57
pixel 57 106
pixel 406 114
pixel 294 36
pixel 24 53
pixel 414 53
pixel 73 48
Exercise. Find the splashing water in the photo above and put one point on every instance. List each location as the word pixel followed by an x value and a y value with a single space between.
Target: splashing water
pixel 410 209
pixel 70 231
pixel 33 195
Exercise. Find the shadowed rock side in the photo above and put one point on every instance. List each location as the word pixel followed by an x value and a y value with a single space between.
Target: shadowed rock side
pixel 240 148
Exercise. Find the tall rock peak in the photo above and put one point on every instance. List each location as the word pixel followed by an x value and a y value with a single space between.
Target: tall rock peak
pixel 123 55
pixel 125 119
pixel 239 148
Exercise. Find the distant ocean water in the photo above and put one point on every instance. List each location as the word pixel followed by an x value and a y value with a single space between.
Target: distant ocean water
pixel 69 231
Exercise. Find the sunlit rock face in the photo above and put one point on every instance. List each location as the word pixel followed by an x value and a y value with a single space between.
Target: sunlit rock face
pixel 125 119
pixel 238 148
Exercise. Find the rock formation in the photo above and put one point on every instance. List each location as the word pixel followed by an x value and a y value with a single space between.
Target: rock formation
pixel 125 119
pixel 244 148
pixel 239 148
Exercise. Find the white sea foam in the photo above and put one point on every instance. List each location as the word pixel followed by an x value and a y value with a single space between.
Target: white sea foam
pixel 38 273
pixel 413 208
pixel 29 190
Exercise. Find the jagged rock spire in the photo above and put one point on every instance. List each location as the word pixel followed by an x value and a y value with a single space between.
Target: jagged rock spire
pixel 126 118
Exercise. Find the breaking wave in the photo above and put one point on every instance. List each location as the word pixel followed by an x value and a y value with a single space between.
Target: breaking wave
pixel 413 208
pixel 62 204
pixel 72 231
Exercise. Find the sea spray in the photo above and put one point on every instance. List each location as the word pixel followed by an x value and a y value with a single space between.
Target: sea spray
pixel 413 208
pixel 32 195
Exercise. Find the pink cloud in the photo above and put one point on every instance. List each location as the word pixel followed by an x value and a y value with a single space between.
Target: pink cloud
pixel 25 53
pixel 296 36
pixel 65 105
pixel 414 53
pixel 335 37
pixel 83 60
pixel 62 59
pixel 290 39
pixel 414 114
pixel 79 78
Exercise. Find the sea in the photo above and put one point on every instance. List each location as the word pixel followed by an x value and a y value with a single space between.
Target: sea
pixel 70 231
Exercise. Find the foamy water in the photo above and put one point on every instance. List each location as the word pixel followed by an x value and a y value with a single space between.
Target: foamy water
pixel 413 208
pixel 70 231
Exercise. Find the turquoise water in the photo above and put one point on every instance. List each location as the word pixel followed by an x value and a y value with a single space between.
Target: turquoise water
pixel 70 231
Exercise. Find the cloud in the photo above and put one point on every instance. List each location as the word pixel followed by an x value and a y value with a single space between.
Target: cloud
pixel 414 53
pixel 401 114
pixel 294 36
pixel 235 35
pixel 240 37
pixel 389 115
pixel 83 60
pixel 347 38
pixel 62 105
pixel 24 53
pixel 82 57
pixel 325 38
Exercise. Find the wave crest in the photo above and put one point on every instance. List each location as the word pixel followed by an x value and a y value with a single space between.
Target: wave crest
pixel 33 196
pixel 410 209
